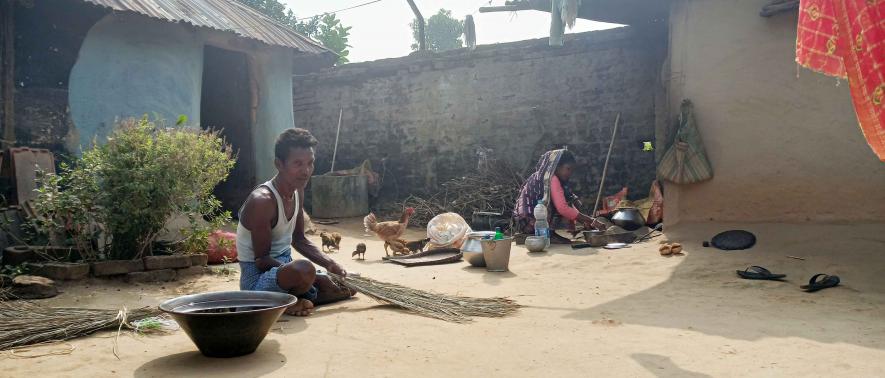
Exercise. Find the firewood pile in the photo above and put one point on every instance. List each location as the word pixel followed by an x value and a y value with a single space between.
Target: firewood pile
pixel 492 188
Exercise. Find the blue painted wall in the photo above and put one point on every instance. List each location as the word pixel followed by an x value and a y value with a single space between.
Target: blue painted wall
pixel 129 66
pixel 275 112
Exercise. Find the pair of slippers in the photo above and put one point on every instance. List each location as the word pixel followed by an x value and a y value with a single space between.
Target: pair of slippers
pixel 817 282
pixel 670 249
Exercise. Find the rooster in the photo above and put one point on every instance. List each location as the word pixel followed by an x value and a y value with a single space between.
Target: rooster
pixel 388 231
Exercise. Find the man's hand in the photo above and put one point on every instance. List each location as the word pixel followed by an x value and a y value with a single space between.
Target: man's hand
pixel 336 269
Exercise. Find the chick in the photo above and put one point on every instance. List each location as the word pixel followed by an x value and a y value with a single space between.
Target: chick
pixel 336 237
pixel 360 251
pixel 417 246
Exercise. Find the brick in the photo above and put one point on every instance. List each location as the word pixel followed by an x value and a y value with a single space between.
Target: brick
pixel 199 259
pixel 61 271
pixel 33 287
pixel 17 255
pixel 191 271
pixel 166 262
pixel 114 267
pixel 161 275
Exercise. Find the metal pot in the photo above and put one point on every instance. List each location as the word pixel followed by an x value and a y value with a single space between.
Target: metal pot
pixel 472 248
pixel 228 323
pixel 620 237
pixel 488 221
pixel 596 238
pixel 629 218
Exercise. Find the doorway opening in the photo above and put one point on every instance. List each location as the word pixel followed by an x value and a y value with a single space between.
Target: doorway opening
pixel 226 106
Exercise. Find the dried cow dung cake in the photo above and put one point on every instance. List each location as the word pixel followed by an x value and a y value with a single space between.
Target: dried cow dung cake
pixel 733 240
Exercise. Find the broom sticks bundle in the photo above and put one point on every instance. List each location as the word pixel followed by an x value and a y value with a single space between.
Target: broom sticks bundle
pixel 23 323
pixel 445 307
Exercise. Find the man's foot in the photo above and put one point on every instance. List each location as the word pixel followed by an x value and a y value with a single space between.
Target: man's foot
pixel 303 307
pixel 328 291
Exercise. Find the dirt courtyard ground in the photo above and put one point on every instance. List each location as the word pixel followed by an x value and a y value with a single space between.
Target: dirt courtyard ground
pixel 587 313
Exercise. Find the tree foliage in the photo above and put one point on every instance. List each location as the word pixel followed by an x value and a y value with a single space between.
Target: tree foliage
pixel 442 32
pixel 326 29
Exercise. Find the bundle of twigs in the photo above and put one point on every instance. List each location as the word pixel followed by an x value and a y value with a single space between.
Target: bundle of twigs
pixel 23 323
pixel 493 187
pixel 446 307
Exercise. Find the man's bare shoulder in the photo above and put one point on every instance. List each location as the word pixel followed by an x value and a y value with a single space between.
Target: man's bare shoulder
pixel 259 206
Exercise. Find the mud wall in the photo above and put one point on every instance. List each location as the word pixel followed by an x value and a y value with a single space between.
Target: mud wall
pixel 784 143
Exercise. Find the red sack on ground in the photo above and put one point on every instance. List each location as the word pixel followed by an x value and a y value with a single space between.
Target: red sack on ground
pixel 610 203
pixel 656 213
pixel 222 247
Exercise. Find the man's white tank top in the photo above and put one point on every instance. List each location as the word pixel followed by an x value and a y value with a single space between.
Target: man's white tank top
pixel 281 233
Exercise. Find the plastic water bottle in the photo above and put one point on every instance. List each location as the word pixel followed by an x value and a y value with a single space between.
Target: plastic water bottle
pixel 542 228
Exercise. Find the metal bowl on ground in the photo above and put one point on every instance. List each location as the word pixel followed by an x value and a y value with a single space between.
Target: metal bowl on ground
pixel 595 238
pixel 616 234
pixel 535 243
pixel 228 323
pixel 472 248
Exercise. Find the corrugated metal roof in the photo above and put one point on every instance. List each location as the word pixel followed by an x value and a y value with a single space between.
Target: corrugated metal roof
pixel 226 15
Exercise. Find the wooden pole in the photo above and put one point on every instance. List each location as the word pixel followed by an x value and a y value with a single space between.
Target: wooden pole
pixel 422 42
pixel 8 68
pixel 506 8
pixel 605 167
pixel 337 133
pixel 557 28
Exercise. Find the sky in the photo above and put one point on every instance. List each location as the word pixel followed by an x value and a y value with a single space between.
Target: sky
pixel 381 30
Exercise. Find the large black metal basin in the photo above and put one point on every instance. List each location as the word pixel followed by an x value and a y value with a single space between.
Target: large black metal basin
pixel 228 323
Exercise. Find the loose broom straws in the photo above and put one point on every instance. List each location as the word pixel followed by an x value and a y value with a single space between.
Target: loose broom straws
pixel 23 323
pixel 445 307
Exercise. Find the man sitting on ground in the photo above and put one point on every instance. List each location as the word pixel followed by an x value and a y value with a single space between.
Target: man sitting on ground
pixel 272 222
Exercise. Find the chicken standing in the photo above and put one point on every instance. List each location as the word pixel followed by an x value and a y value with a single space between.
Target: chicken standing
pixel 330 240
pixel 388 231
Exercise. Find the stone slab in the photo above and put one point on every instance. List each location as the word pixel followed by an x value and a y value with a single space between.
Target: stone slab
pixel 115 267
pixel 61 271
pixel 33 287
pixel 161 275
pixel 166 262
pixel 199 259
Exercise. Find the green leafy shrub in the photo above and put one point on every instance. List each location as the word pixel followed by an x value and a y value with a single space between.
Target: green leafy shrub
pixel 66 208
pixel 132 184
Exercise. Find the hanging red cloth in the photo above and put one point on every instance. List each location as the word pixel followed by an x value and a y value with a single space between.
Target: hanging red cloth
pixel 846 39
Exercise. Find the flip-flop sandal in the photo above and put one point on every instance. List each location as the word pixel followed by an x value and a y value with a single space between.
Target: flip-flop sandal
pixel 759 273
pixel 666 250
pixel 815 284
